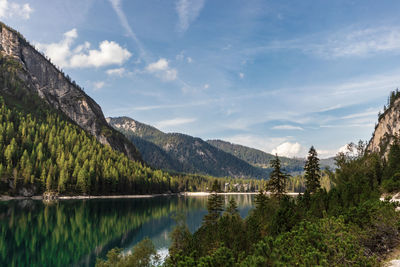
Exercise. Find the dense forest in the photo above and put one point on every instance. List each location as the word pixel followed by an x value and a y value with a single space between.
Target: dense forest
pixel 345 226
pixel 43 151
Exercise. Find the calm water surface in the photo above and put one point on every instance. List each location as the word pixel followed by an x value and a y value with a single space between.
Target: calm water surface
pixel 75 232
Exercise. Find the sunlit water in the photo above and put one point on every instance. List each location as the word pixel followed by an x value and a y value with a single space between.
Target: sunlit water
pixel 76 232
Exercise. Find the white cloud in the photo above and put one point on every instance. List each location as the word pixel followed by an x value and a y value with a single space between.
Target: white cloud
pixel 116 72
pixel 241 75
pixel 162 70
pixel 161 64
pixel 64 55
pixel 174 122
pixel 287 149
pixel 10 9
pixel 287 127
pixel 109 53
pixel 206 86
pixel 188 11
pixel 98 85
pixel 60 52
pixel 189 59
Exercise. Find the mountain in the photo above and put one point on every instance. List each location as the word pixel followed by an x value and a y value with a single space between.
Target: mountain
pixel 39 76
pixel 262 159
pixel 257 157
pixel 55 139
pixel 183 153
pixel 388 126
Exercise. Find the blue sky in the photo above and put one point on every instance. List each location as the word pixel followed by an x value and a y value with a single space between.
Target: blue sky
pixel 275 75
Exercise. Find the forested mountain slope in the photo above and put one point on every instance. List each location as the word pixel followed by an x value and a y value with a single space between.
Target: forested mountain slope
pixel 182 152
pixel 38 75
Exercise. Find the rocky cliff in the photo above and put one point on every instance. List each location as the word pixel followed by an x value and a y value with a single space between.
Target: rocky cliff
pixel 42 77
pixel 386 130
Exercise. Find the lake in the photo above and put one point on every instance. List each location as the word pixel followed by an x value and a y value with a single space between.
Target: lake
pixel 76 232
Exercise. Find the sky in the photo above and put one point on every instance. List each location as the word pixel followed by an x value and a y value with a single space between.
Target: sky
pixel 279 76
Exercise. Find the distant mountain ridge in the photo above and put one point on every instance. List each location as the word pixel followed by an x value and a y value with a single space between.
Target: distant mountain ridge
pixel 257 157
pixel 183 153
pixel 262 159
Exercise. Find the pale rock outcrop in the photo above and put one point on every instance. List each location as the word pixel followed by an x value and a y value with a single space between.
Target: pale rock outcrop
pixel 386 130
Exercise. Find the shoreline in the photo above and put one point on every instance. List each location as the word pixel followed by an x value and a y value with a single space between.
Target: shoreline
pixel 81 197
pixel 232 193
pixel 40 197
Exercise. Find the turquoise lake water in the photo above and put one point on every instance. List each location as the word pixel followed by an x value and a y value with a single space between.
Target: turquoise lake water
pixel 76 232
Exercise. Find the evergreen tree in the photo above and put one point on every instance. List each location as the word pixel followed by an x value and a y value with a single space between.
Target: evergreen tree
pixel 393 159
pixel 232 207
pixel 260 200
pixel 312 171
pixel 214 204
pixel 278 179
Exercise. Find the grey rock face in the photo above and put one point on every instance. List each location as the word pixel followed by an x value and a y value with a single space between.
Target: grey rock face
pixel 50 84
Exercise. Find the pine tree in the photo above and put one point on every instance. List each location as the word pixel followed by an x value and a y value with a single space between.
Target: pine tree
pixel 393 163
pixel 278 179
pixel 232 207
pixel 214 204
pixel 260 200
pixel 312 171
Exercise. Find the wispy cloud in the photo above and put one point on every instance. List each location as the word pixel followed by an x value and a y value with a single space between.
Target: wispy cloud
pixel 367 113
pixel 364 42
pixel 128 110
pixel 117 6
pixel 174 122
pixel 188 11
pixel 350 42
pixel 11 9
pixel 287 127
pixel 81 56
pixel 351 125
